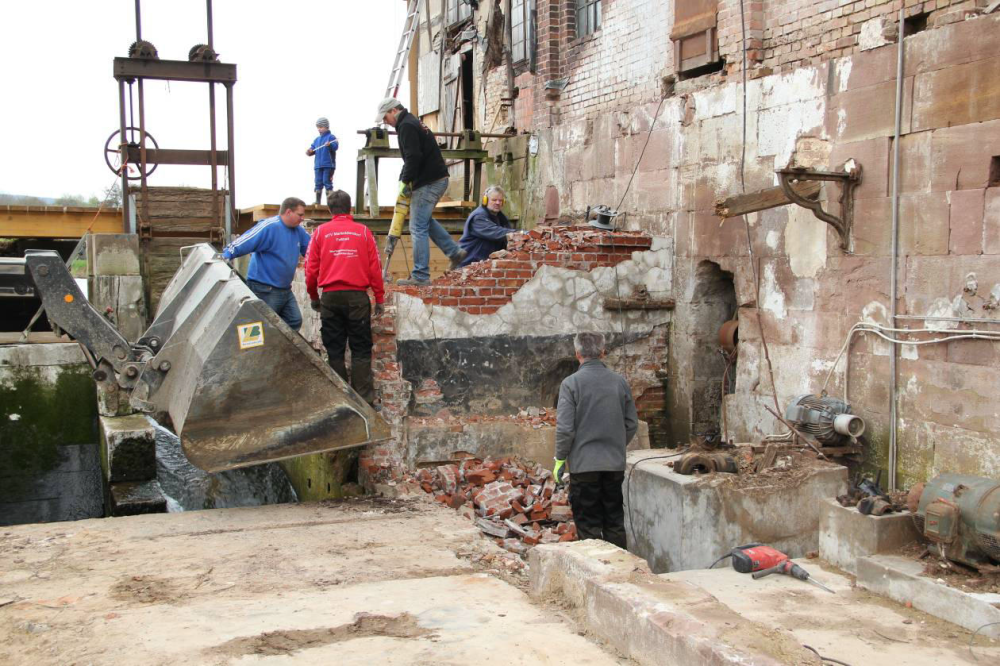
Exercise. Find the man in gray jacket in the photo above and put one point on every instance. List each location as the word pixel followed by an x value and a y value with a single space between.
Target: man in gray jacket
pixel 595 421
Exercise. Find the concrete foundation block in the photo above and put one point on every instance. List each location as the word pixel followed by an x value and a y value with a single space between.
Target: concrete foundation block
pixel 133 498
pixel 648 619
pixel 122 299
pixel 679 522
pixel 113 254
pixel 128 448
pixel 899 579
pixel 845 534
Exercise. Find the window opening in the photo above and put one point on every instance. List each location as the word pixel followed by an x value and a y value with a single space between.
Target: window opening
pixel 588 17
pixel 519 30
pixel 457 11
pixel 914 24
pixel 994 180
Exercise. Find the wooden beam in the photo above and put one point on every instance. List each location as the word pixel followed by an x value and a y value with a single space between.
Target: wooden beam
pixel 178 156
pixel 639 304
pixel 57 221
pixel 741 204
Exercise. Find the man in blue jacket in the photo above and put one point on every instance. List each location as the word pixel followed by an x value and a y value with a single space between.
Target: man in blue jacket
pixel 324 147
pixel 276 243
pixel 486 228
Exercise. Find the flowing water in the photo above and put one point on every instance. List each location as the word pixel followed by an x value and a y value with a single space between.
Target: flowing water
pixel 188 488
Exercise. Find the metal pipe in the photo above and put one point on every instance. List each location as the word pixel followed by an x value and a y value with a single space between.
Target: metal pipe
pixel 231 149
pixel 138 23
pixel 213 155
pixel 123 159
pixel 142 153
pixel 893 286
pixel 961 320
pixel 508 53
pixel 211 44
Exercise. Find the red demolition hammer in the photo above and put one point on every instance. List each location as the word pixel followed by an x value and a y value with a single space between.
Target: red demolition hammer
pixel 760 561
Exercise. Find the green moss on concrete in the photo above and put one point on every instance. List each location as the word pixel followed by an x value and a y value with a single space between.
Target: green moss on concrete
pixel 321 475
pixel 37 416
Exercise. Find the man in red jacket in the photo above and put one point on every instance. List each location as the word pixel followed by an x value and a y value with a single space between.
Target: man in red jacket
pixel 343 261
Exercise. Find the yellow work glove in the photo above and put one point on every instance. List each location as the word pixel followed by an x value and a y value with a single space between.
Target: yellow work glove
pixel 404 189
pixel 557 470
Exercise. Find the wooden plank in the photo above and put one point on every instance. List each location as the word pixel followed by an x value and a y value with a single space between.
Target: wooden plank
pixel 57 221
pixel 39 338
pixel 178 156
pixel 741 204
pixel 639 304
pixel 161 258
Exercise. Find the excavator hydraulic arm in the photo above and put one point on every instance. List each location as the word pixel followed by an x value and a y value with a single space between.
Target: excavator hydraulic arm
pixel 240 386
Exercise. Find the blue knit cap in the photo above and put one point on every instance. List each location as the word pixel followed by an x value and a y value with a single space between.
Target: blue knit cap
pixel 323 122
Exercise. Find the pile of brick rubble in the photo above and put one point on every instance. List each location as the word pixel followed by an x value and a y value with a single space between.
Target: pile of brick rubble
pixel 515 502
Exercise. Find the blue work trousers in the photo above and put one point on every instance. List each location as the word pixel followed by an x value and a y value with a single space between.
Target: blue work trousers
pixel 324 179
pixel 422 225
pixel 282 301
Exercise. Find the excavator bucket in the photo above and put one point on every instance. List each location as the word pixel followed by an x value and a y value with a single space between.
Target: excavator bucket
pixel 240 386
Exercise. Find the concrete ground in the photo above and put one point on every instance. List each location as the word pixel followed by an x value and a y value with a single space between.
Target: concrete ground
pixel 355 582
pixel 852 625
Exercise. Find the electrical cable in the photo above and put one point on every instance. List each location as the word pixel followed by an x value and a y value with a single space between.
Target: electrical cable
pixel 880 331
pixel 973 638
pixel 746 222
pixel 628 485
pixel 822 658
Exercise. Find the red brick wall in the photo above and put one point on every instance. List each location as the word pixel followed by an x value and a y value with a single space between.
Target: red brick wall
pixel 486 286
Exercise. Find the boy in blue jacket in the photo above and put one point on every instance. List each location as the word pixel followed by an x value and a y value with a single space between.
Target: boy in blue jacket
pixel 324 147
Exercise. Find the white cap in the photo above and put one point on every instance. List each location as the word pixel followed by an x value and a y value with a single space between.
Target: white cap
pixel 385 106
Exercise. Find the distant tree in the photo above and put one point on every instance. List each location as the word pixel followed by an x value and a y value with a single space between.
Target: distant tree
pixel 70 200
pixel 94 202
pixel 113 196
pixel 19 200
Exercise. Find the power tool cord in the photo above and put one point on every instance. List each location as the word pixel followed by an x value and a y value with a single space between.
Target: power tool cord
pixel 628 485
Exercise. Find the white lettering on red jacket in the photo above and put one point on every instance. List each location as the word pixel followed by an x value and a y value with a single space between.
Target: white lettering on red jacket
pixel 343 256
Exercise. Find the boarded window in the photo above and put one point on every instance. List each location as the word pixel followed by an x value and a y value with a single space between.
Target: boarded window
pixel 696 42
pixel 519 30
pixel 588 17
pixel 457 11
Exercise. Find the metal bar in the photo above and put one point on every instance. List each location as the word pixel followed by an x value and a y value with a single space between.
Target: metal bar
pixel 961 320
pixel 477 182
pixel 213 156
pixel 175 70
pixel 123 151
pixel 211 44
pixel 138 22
pixel 893 286
pixel 180 156
pixel 467 178
pixel 142 152
pixel 457 134
pixel 230 147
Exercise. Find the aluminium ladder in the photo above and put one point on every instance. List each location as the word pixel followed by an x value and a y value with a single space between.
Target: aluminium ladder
pixel 403 52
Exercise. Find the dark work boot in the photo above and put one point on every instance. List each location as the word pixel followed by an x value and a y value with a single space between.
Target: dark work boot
pixel 319 196
pixel 457 258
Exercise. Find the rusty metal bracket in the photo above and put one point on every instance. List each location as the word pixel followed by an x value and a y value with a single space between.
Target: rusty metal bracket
pixel 848 176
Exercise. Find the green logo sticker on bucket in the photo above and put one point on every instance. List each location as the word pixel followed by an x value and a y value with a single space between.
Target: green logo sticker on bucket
pixel 251 335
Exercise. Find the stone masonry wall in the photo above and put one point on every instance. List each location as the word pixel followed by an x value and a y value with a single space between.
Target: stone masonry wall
pixel 475 365
pixel 810 293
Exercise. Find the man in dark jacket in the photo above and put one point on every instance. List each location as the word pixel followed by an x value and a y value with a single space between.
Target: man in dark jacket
pixel 486 228
pixel 595 421
pixel 424 179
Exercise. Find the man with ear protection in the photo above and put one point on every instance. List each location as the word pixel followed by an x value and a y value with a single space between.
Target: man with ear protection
pixel 486 228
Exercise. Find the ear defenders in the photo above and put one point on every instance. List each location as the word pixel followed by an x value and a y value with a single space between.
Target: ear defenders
pixel 486 200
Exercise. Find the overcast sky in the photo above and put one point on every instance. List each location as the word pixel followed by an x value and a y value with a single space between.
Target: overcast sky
pixel 296 60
